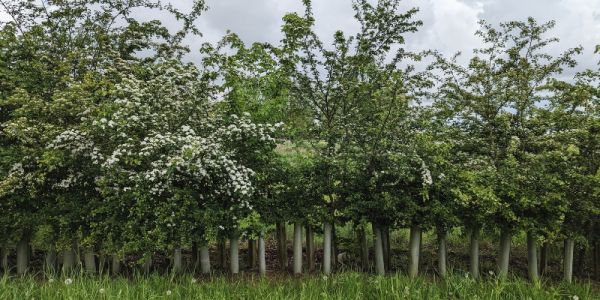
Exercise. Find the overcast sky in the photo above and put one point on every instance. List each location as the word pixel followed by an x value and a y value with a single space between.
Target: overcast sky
pixel 449 25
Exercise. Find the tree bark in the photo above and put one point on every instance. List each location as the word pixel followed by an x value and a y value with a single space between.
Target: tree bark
pixel 297 248
pixel 282 246
pixel 532 259
pixel 262 263
pixel 50 260
pixel 568 260
pixel 147 265
pixel 251 253
pixel 327 248
pixel 387 256
pixel 378 242
pixel 334 247
pixel 414 251
pixel 4 257
pixel 442 253
pixel 474 253
pixel 504 258
pixel 204 259
pixel 364 248
pixel 69 259
pixel 310 248
pixel 222 256
pixel 234 254
pixel 23 255
pixel 544 258
pixel 89 259
pixel 177 261
pixel 115 267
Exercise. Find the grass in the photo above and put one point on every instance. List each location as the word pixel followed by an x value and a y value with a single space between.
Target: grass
pixel 339 286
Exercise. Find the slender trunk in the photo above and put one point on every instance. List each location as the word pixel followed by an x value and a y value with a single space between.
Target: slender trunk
pixel 147 265
pixel 234 262
pixel 580 258
pixel 69 259
pixel 544 258
pixel 414 250
pixel 262 263
pixel 177 261
pixel 115 267
pixel 4 256
pixel 89 259
pixel 102 260
pixel 310 248
pixel 222 256
pixel 334 247
pixel 50 260
pixel 282 246
pixel 195 256
pixel 204 259
pixel 386 247
pixel 23 255
pixel 474 265
pixel 597 262
pixel 364 248
pixel 327 248
pixel 504 258
pixel 251 253
pixel 297 248
pixel 568 260
pixel 532 265
pixel 442 253
pixel 379 261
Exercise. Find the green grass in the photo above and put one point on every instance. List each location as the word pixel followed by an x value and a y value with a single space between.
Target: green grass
pixel 341 286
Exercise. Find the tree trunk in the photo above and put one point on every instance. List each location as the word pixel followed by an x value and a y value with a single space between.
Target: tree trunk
pixel 544 258
pixel 115 267
pixel 442 254
pixel 474 256
pixel 532 259
pixel 89 259
pixel 386 247
pixel 297 248
pixel 282 246
pixel 504 258
pixel 334 247
pixel 69 259
pixel 222 256
pixel 568 260
pixel 364 248
pixel 195 256
pixel 580 259
pixel 4 257
pixel 327 248
pixel 204 259
pixel 177 261
pixel 147 265
pixel 597 263
pixel 378 242
pixel 50 260
pixel 23 255
pixel 251 253
pixel 234 262
pixel 310 248
pixel 262 263
pixel 414 251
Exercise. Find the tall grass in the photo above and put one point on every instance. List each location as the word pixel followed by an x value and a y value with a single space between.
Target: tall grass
pixel 339 286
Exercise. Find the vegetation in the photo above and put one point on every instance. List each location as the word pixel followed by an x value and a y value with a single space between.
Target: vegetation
pixel 112 146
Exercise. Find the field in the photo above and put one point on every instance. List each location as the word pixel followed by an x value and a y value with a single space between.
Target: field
pixel 341 286
pixel 347 283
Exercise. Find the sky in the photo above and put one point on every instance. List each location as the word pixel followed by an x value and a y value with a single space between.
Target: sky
pixel 448 25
